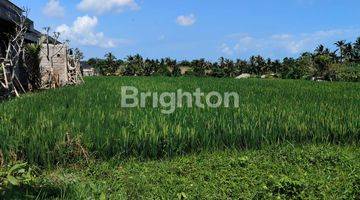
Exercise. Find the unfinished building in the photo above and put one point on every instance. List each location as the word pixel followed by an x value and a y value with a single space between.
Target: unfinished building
pixel 8 15
pixel 58 65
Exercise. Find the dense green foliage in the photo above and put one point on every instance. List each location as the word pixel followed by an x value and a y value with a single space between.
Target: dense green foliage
pixel 287 172
pixel 323 64
pixel 32 63
pixel 74 123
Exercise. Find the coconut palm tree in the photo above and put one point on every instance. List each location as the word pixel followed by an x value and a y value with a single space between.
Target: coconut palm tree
pixel 341 46
pixel 111 65
pixel 199 67
pixel 348 52
pixel 110 57
pixel 240 66
pixel 357 44
pixel 356 50
pixel 149 67
pixel 229 68
pixel 134 65
pixel 320 49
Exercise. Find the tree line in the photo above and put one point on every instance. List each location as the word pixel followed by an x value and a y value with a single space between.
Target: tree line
pixel 343 64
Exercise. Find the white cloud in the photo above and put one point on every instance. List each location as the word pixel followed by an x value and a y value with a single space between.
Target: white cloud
pixel 286 44
pixel 54 9
pixel 101 6
pixel 226 49
pixel 83 32
pixel 308 41
pixel 186 20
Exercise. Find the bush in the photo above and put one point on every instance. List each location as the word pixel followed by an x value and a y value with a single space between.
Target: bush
pixel 346 72
pixel 176 71
pixel 322 64
pixel 32 63
pixel 218 71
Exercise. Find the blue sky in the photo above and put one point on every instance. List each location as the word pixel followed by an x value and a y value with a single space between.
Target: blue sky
pixel 188 29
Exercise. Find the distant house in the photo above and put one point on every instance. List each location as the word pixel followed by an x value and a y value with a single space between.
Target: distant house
pixel 87 70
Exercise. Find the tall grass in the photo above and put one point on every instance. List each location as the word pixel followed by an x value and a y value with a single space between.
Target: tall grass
pixel 37 127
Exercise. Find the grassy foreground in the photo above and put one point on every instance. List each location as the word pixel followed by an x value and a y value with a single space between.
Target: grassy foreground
pixel 75 123
pixel 287 140
pixel 310 172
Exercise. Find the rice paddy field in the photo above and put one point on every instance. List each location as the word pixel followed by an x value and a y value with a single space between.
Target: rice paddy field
pixel 299 138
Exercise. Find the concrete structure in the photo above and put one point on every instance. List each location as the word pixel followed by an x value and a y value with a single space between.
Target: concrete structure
pixel 58 66
pixel 184 70
pixel 60 61
pixel 244 76
pixel 89 72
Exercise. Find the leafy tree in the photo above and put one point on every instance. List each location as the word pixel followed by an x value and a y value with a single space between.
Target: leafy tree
pixel 176 71
pixel 320 49
pixel 348 52
pixel 134 66
pixel 341 46
pixel 163 70
pixel 32 65
pixel 356 50
pixel 172 67
pixel 185 63
pixel 79 55
pixel 267 68
pixel 217 71
pixel 322 64
pixel 98 64
pixel 199 67
pixel 93 62
pixel 149 67
pixel 110 64
pixel 257 64
pixel 289 68
pixel 306 66
pixel 240 66
pixel 276 66
pixel 229 68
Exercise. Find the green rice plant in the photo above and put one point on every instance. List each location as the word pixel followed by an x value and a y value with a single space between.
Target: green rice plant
pixel 35 127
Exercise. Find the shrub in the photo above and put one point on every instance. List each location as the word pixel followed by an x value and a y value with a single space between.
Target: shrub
pixel 32 64
pixel 322 64
pixel 176 71
pixel 346 72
